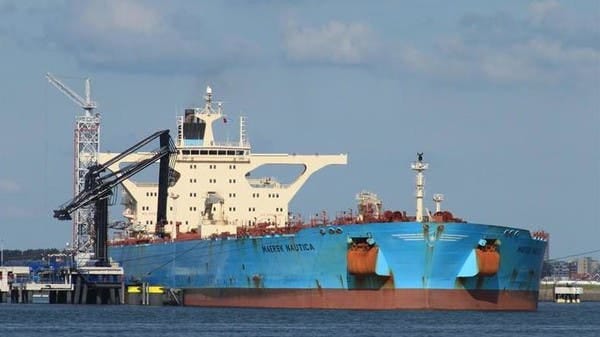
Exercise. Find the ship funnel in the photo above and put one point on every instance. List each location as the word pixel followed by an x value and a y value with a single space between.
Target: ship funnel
pixel 419 166
pixel 438 198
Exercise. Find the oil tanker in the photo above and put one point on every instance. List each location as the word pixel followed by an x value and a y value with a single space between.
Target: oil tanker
pixel 231 241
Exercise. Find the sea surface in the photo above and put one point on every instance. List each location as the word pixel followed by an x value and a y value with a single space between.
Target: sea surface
pixel 564 320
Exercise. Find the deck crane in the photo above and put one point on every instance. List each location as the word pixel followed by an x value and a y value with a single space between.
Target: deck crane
pixel 87 145
pixel 100 182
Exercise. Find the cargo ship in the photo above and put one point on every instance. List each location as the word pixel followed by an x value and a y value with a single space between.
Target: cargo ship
pixel 231 241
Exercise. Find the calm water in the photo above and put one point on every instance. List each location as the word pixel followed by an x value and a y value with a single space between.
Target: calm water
pixel 66 320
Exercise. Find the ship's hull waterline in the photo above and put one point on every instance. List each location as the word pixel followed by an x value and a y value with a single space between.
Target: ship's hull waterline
pixel 405 265
pixel 383 299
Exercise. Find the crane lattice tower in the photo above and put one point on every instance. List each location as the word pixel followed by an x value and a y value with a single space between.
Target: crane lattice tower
pixel 86 145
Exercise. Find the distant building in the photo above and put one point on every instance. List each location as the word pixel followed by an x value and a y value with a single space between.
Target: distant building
pixel 583 265
pixel 595 267
pixel 581 268
pixel 557 269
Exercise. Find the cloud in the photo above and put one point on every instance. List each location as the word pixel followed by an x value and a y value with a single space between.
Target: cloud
pixel 9 186
pixel 547 45
pixel 540 11
pixel 333 43
pixel 144 37
pixel 125 16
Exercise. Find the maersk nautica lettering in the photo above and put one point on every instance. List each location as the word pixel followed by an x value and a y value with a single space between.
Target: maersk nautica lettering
pixel 294 247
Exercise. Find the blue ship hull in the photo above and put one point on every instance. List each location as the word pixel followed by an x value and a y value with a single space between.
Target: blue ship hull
pixel 416 266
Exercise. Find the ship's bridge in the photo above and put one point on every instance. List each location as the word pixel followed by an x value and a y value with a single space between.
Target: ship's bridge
pixel 208 169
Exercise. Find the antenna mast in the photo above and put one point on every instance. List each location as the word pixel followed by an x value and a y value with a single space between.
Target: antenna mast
pixel 419 166
pixel 86 142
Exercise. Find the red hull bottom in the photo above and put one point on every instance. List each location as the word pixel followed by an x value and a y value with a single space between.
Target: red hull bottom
pixel 385 299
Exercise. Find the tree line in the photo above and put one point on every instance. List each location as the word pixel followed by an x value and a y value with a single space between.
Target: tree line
pixel 12 255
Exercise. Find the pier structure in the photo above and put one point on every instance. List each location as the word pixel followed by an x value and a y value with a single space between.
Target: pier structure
pixel 567 294
pixel 17 285
pixel 98 285
pixel 84 285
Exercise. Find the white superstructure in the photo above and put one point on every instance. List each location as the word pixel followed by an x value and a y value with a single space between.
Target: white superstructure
pixel 215 193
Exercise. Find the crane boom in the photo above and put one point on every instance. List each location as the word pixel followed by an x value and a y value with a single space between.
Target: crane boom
pixel 99 183
pixel 86 103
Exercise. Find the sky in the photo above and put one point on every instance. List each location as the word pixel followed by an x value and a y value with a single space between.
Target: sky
pixel 502 97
